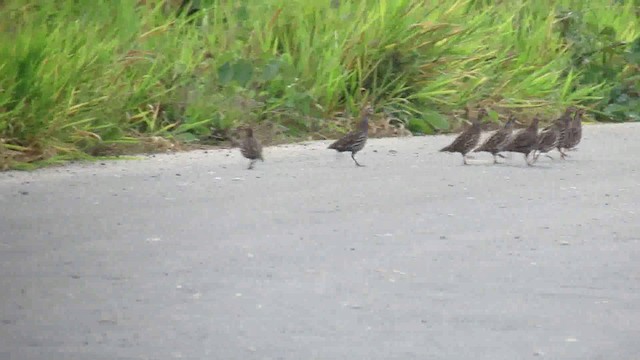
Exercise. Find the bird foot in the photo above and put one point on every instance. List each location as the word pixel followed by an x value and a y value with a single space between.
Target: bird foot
pixel 526 159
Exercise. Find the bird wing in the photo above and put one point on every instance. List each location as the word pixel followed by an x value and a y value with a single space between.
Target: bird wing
pixel 548 139
pixel 522 141
pixel 492 142
pixel 459 141
pixel 344 143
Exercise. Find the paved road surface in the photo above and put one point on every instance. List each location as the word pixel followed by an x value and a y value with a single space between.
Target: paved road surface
pixel 190 256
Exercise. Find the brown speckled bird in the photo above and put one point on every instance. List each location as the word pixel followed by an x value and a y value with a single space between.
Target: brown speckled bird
pixel 468 139
pixel 547 141
pixel 563 123
pixel 495 142
pixel 355 140
pixel 574 131
pixel 525 141
pixel 250 148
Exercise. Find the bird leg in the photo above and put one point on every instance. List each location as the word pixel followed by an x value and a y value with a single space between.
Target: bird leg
pixel 251 164
pixel 464 160
pixel 502 156
pixel 534 159
pixel 549 156
pixel 354 159
pixel 562 154
pixel 526 158
pixel 495 159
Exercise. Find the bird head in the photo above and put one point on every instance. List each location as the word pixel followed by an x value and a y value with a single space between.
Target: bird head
pixel 367 110
pixel 570 110
pixel 535 121
pixel 577 118
pixel 510 121
pixel 482 112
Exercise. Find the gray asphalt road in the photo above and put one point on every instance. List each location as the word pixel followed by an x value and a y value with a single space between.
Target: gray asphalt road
pixel 308 257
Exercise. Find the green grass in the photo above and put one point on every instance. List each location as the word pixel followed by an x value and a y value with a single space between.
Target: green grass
pixel 101 77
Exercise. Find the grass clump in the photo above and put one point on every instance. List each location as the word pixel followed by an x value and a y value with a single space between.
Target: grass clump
pixel 105 77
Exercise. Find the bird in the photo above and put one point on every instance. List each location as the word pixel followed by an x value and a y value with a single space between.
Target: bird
pixel 494 143
pixel 251 148
pixel 574 131
pixel 547 140
pixel 356 139
pixel 468 139
pixel 525 141
pixel 563 123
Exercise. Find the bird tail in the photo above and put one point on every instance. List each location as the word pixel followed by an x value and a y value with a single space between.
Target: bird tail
pixel 334 145
pixel 446 148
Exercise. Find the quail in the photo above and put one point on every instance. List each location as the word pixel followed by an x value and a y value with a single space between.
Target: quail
pixel 547 140
pixel 496 141
pixel 574 131
pixel 356 139
pixel 563 123
pixel 468 139
pixel 525 141
pixel 250 148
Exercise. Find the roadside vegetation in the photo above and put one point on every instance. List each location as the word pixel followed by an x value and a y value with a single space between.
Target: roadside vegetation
pixel 102 78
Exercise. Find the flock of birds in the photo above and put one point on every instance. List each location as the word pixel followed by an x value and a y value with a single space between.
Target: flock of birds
pixel 563 134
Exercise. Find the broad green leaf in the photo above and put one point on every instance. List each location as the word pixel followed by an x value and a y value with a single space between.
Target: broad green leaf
pixel 271 70
pixel 242 72
pixel 493 115
pixel 436 120
pixel 419 126
pixel 225 73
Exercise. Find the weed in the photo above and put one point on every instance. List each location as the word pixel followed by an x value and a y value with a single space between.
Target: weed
pixel 76 77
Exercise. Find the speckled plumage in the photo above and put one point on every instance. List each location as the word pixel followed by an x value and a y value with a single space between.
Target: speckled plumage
pixel 547 140
pixel 356 139
pixel 251 148
pixel 574 131
pixel 525 141
pixel 563 123
pixel 495 142
pixel 468 139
